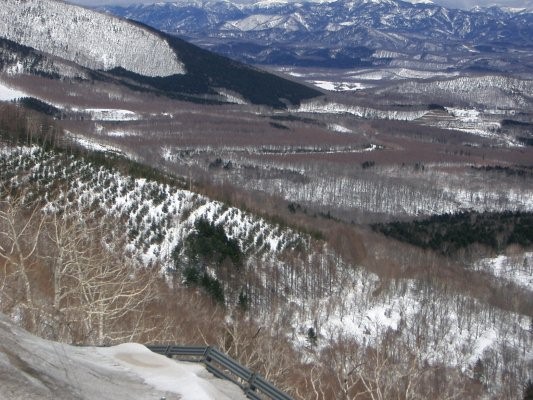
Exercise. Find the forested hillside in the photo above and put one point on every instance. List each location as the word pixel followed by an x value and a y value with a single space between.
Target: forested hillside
pixel 361 233
pixel 305 311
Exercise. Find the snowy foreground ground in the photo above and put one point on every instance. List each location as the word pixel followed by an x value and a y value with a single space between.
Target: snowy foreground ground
pixel 33 368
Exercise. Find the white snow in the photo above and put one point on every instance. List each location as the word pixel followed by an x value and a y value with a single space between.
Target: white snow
pixel 355 310
pixel 256 22
pixel 339 85
pixel 517 269
pixel 189 380
pixel 7 93
pixel 15 69
pixel 174 212
pixel 123 372
pixel 110 114
pixel 92 144
pixel 314 106
pixel 338 128
pixel 105 114
pixel 121 133
pixel 464 114
pixel 231 97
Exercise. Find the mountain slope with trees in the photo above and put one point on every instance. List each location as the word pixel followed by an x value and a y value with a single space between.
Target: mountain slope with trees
pixel 132 54
pixel 302 311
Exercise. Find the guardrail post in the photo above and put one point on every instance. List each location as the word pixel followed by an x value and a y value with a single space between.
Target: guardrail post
pixel 251 381
pixel 207 357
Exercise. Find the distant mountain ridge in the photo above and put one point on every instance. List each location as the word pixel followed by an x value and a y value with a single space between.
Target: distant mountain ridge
pixel 345 32
pixel 56 39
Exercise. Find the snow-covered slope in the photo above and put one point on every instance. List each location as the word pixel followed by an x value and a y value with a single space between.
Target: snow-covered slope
pixel 488 91
pixel 160 217
pixel 33 368
pixel 93 40
pixel 437 325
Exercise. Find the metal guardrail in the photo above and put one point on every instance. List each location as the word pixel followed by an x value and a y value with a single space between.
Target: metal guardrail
pixel 222 366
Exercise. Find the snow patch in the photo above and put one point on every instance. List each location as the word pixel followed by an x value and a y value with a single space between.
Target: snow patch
pixel 232 97
pixel 516 269
pixel 93 145
pixel 109 114
pixel 8 93
pixel 123 372
pixel 338 128
pixel 464 114
pixel 340 86
pixel 121 133
pixel 189 380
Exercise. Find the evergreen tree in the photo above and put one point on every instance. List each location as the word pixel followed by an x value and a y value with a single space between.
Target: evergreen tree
pixel 479 370
pixel 311 336
pixel 243 301
pixel 528 390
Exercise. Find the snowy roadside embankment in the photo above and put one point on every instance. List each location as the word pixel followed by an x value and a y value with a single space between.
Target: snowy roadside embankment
pixel 31 368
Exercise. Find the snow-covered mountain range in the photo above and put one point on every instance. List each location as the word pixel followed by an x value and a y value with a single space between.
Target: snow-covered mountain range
pixel 336 33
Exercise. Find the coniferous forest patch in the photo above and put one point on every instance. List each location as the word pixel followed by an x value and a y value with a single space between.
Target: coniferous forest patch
pixel 448 233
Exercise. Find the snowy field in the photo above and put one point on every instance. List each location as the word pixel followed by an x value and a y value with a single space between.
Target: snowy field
pixel 7 93
pixel 339 85
pixel 33 368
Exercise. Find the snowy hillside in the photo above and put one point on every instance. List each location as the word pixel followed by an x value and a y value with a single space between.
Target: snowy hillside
pixel 16 59
pixel 315 106
pixel 159 217
pixel 497 92
pixel 31 367
pixel 435 325
pixel 93 40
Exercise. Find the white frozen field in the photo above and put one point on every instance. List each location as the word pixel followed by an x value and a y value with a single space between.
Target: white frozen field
pixel 111 114
pixel 8 93
pixel 33 368
pixel 339 86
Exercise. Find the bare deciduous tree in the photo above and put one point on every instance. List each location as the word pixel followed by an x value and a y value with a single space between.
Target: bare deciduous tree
pixel 93 284
pixel 20 229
